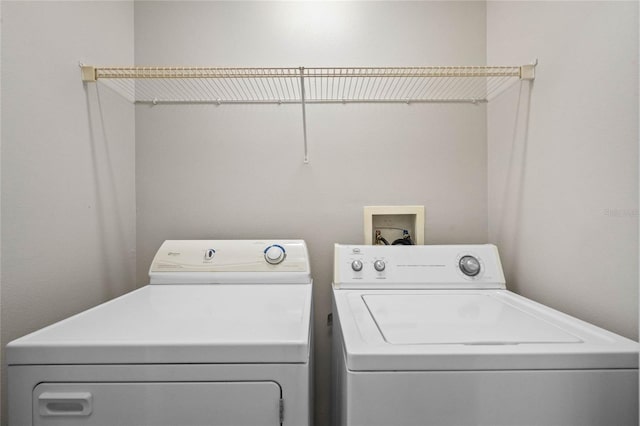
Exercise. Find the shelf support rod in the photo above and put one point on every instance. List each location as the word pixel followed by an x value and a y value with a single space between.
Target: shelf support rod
pixel 304 115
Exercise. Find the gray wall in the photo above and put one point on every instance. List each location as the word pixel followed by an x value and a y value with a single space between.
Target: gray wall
pixel 238 172
pixel 68 200
pixel 563 165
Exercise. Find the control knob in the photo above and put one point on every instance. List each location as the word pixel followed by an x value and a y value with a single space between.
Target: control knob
pixel 274 254
pixel 209 254
pixel 469 265
pixel 379 265
pixel 356 265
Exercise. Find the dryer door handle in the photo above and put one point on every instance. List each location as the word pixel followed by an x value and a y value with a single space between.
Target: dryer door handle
pixel 55 404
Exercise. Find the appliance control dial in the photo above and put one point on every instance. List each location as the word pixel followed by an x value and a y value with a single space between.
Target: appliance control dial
pixel 274 254
pixel 379 265
pixel 469 265
pixel 209 254
pixel 356 265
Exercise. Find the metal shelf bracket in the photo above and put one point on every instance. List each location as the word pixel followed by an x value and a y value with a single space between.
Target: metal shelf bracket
pixel 88 73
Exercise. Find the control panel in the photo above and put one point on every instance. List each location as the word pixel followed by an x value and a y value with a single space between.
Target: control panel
pixel 433 266
pixel 214 261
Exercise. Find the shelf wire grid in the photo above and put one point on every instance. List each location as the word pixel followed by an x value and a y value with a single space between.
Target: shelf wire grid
pixel 321 85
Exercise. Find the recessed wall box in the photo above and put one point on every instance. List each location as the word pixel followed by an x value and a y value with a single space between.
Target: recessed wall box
pixel 387 224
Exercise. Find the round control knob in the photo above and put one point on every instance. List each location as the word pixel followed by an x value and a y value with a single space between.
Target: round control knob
pixel 274 254
pixel 469 266
pixel 379 265
pixel 209 254
pixel 356 265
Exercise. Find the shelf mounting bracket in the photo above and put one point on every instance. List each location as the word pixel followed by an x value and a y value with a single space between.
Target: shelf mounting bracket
pixel 88 74
pixel 528 72
pixel 304 115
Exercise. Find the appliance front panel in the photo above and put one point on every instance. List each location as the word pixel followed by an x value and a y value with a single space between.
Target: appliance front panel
pixel 496 398
pixel 157 404
pixel 295 382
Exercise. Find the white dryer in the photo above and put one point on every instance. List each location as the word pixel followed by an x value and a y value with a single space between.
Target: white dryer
pixel 429 335
pixel 221 336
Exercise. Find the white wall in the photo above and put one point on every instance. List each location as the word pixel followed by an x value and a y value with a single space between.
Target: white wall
pixel 237 171
pixel 563 167
pixel 68 200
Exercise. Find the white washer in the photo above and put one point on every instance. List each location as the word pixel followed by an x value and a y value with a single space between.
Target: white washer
pixel 221 336
pixel 429 335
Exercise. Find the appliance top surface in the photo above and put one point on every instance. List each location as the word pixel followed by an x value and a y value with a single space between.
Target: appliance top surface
pixel 467 330
pixel 447 308
pixel 179 324
pixel 231 262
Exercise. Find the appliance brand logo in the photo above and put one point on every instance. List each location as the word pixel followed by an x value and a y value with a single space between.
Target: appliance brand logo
pixel 172 253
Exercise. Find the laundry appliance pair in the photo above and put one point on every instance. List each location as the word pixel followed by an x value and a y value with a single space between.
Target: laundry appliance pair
pixel 422 335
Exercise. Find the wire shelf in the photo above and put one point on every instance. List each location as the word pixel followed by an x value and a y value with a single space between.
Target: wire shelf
pixel 310 85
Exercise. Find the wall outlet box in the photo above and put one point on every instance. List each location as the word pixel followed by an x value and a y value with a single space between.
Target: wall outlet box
pixel 387 223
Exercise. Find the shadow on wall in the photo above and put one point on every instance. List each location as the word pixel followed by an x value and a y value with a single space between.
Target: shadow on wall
pixel 510 209
pixel 109 211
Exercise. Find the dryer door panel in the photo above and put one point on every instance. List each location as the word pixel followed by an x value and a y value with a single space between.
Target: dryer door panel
pixel 157 404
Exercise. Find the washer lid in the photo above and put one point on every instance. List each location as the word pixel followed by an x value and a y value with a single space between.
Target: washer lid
pixel 180 324
pixel 468 319
pixel 430 330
